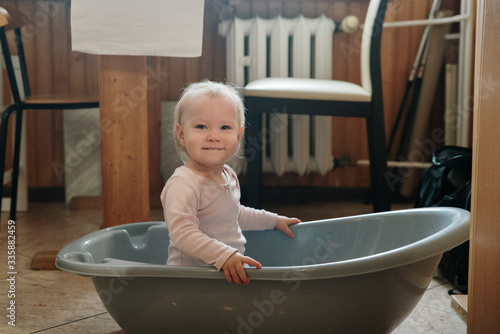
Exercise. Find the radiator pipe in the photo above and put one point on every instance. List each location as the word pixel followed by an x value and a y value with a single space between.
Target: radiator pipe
pixel 346 161
pixel 413 23
pixel 424 22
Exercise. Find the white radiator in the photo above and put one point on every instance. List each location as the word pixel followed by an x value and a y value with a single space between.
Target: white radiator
pixel 300 47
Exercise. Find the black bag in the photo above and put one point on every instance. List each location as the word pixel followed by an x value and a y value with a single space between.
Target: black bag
pixel 448 183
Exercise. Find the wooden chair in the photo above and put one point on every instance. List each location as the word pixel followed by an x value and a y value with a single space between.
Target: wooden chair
pixel 11 19
pixel 328 98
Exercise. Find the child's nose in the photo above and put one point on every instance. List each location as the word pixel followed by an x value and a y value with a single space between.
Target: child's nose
pixel 212 136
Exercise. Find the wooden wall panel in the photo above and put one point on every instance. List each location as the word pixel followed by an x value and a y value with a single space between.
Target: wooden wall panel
pixel 57 68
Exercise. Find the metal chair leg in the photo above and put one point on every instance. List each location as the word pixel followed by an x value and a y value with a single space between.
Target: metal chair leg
pixel 253 154
pixel 3 144
pixel 381 192
pixel 15 165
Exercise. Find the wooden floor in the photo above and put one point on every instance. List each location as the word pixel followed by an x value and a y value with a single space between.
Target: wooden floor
pixel 52 301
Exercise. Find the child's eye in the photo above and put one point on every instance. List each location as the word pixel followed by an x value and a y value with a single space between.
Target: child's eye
pixel 225 127
pixel 200 126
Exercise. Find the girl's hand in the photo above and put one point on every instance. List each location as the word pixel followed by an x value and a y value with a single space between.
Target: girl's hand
pixel 233 268
pixel 284 223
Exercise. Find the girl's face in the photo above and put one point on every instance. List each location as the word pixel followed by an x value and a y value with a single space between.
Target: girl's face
pixel 210 132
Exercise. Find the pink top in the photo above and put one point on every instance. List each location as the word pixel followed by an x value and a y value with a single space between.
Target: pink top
pixel 205 219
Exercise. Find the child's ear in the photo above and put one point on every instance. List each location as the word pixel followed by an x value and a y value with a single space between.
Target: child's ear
pixel 240 133
pixel 179 132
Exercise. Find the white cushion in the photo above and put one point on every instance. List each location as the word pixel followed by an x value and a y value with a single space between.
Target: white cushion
pixel 308 89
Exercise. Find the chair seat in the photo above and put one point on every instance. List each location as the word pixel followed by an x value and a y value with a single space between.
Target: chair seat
pixel 61 98
pixel 308 89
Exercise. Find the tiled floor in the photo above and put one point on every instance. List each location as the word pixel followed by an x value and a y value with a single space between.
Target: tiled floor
pixel 61 302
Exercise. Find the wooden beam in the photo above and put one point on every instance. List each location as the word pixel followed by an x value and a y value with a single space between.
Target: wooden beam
pixel 484 266
pixel 44 260
pixel 155 78
pixel 124 131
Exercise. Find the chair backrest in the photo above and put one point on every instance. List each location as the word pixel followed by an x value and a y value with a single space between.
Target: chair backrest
pixel 12 19
pixel 370 44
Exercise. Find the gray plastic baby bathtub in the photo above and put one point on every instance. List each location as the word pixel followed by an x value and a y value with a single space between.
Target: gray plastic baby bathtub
pixel 360 274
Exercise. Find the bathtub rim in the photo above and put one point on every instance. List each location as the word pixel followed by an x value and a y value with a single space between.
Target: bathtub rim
pixel 453 235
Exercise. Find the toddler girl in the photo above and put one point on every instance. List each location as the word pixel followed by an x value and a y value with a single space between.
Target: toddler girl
pixel 201 200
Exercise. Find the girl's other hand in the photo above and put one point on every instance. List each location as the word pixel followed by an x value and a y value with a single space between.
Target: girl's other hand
pixel 233 268
pixel 284 223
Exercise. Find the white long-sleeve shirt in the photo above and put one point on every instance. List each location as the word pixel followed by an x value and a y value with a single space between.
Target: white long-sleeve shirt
pixel 205 219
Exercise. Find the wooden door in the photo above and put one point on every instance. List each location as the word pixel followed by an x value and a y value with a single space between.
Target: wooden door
pixel 484 268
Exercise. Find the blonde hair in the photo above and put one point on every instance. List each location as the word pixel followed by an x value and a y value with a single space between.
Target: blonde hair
pixel 193 92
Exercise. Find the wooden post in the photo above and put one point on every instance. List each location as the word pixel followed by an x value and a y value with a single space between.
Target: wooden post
pixel 124 131
pixel 155 78
pixel 484 265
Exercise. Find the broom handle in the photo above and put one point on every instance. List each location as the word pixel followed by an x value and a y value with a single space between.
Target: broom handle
pixel 416 65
